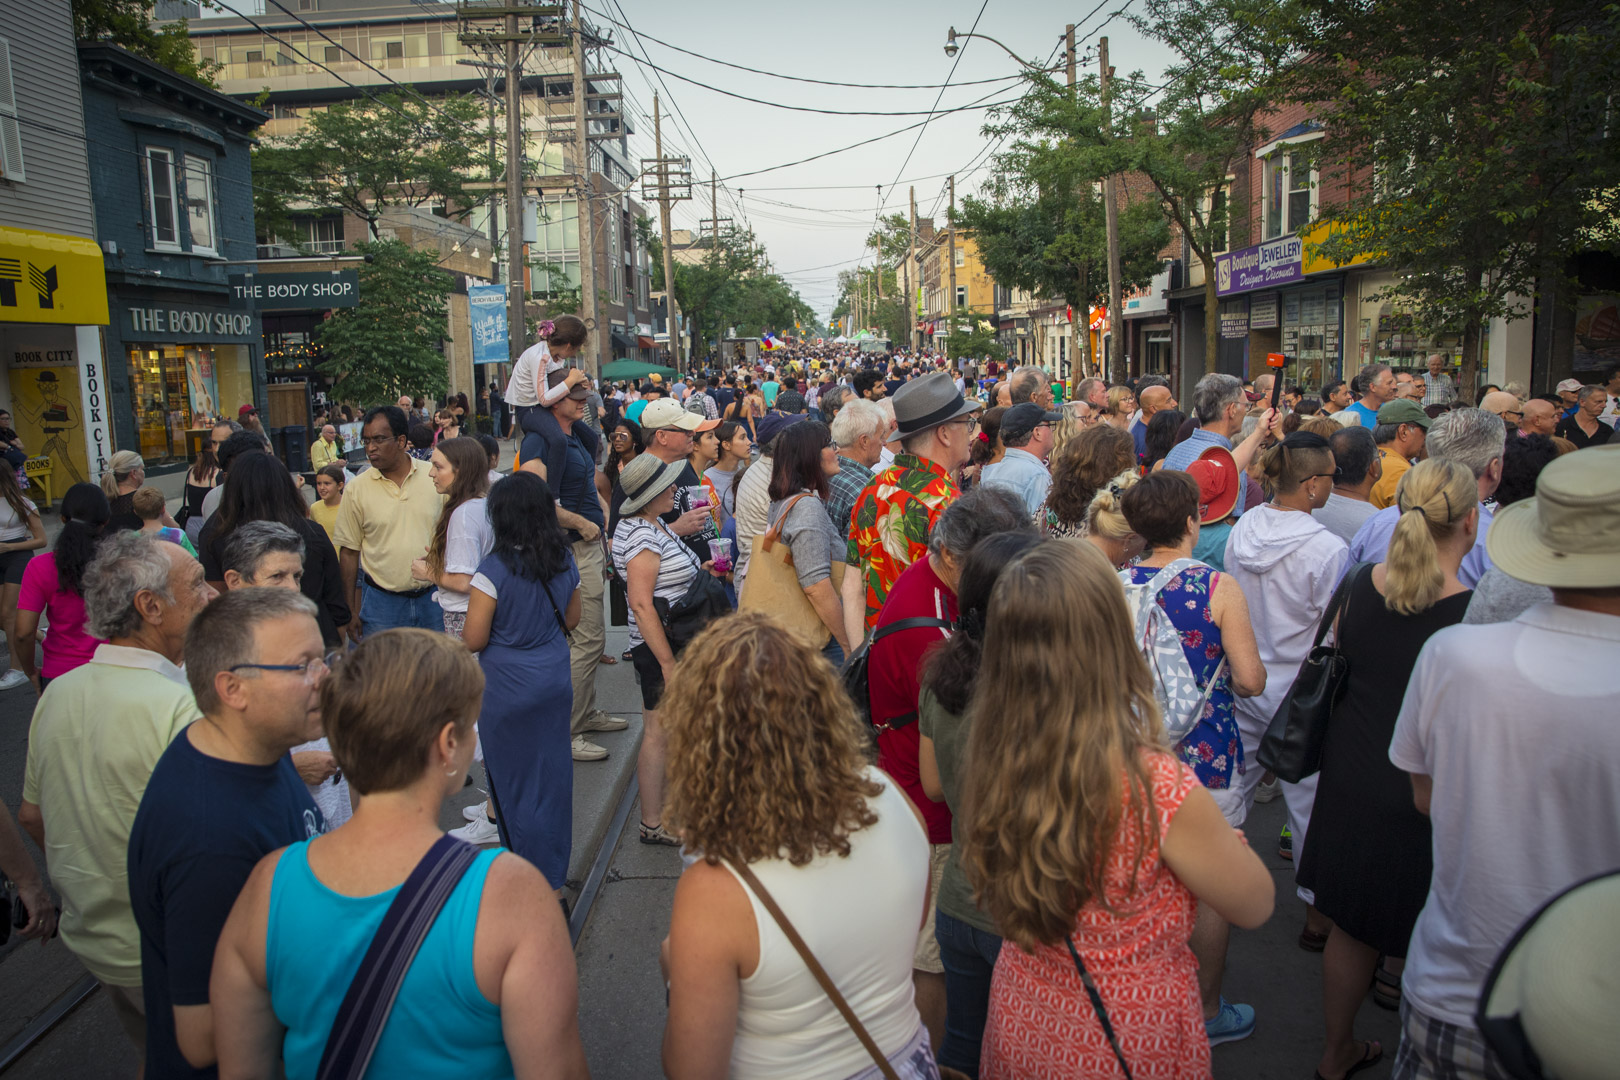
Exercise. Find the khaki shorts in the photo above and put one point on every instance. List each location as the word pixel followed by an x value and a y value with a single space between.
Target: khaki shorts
pixel 130 1007
pixel 926 958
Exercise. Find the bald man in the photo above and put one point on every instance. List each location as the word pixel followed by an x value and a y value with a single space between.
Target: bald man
pixel 1153 399
pixel 1540 417
pixel 1503 404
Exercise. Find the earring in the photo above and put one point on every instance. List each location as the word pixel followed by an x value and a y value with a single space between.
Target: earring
pixel 451 772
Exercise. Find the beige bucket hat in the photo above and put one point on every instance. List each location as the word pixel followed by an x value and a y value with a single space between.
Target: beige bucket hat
pixel 1568 536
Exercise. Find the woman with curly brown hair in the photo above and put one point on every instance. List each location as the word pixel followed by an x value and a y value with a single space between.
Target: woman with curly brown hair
pixel 1086 463
pixel 768 773
pixel 1086 841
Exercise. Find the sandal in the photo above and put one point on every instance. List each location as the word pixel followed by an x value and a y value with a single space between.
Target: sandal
pixel 1386 989
pixel 656 834
pixel 1369 1057
pixel 1311 941
pixel 625 655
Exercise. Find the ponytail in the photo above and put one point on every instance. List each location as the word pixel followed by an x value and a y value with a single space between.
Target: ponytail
pixel 1434 497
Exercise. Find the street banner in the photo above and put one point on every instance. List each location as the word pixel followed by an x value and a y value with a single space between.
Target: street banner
pixel 486 305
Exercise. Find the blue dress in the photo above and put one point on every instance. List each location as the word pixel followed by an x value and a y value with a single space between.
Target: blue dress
pixel 528 696
pixel 441 1025
pixel 1212 749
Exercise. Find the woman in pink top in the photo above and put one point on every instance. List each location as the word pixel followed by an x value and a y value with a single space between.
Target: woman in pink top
pixel 50 585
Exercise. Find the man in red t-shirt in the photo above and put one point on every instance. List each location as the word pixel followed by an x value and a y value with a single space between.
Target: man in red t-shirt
pixel 927 589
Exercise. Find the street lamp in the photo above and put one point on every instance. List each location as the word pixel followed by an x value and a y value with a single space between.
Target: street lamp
pixel 951 47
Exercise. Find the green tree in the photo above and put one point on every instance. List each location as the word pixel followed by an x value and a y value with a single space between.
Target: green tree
pixel 888 313
pixel 974 336
pixel 389 343
pixel 128 24
pixel 734 287
pixel 1477 145
pixel 366 156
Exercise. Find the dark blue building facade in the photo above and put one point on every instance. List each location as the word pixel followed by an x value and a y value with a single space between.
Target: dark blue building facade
pixel 172 182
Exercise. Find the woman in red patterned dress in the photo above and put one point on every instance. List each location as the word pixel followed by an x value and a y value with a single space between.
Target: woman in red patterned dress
pixel 1081 825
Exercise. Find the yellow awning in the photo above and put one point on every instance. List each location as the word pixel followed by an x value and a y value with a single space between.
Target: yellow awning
pixel 48 278
pixel 1314 263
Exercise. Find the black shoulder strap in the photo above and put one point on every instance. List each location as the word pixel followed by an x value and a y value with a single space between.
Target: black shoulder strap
pixel 1339 601
pixel 1097 1004
pixel 370 998
pixel 916 622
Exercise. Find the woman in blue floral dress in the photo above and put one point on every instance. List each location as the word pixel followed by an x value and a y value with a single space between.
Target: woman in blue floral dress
pixel 1208 609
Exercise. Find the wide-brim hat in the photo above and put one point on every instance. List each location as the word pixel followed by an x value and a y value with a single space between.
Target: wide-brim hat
pixel 930 401
pixel 1220 482
pixel 644 479
pixel 1568 536
pixel 1544 1009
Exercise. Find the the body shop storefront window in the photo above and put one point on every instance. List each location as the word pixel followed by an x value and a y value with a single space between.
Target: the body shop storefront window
pixel 186 366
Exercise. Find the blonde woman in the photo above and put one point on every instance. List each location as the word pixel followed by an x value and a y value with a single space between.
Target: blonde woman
pixel 1370 857
pixel 1086 840
pixel 1121 405
pixel 123 477
pixel 1106 527
pixel 771 774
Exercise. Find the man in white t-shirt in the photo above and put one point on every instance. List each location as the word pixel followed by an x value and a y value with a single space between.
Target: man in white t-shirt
pixel 1508 732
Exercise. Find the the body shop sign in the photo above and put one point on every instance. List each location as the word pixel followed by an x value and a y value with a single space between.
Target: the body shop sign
pixel 189 324
pixel 1275 262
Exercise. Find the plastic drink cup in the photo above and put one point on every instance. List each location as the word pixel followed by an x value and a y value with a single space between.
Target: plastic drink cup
pixel 697 497
pixel 720 552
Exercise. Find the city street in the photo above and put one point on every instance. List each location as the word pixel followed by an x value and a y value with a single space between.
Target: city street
pixel 621 995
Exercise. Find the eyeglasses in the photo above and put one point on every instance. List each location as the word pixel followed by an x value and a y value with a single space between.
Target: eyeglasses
pixel 311 669
pixel 378 440
pixel 1509 412
pixel 971 422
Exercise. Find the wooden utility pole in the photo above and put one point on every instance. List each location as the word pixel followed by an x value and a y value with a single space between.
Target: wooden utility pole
pixel 517 333
pixel 950 297
pixel 663 212
pixel 911 290
pixel 1116 325
pixel 714 212
pixel 587 215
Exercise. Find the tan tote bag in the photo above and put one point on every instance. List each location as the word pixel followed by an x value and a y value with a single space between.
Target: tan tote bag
pixel 773 585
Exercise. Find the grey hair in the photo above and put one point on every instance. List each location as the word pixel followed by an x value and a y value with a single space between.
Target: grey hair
pixel 221 636
pixel 1384 434
pixel 980 513
pixel 1250 422
pixel 832 401
pixel 250 542
pixel 858 417
pixel 232 424
pixel 1026 382
pixel 1471 437
pixel 126 563
pixel 1213 394
pixel 1588 390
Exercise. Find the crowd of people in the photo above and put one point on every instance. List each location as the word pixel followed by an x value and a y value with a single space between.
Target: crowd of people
pixel 955 693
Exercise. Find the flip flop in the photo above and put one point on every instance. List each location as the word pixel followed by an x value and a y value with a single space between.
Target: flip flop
pixel 1311 941
pixel 1370 1057
pixel 1386 989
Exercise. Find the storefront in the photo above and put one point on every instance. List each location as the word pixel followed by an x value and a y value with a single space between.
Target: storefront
pixel 1275 300
pixel 53 302
pixel 1149 341
pixel 186 363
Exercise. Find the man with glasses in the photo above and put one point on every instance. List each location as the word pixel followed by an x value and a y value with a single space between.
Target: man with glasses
pixel 1027 433
pixel 1219 406
pixel 223 795
pixel 387 520
pixel 891 520
pixel 1503 404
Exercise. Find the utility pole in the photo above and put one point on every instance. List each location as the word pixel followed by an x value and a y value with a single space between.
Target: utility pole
pixel 950 297
pixel 1082 332
pixel 587 215
pixel 663 212
pixel 714 212
pixel 517 334
pixel 1116 325
pixel 911 292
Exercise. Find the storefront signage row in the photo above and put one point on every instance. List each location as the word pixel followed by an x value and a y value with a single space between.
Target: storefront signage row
pixel 173 324
pixel 314 291
pixel 1263 312
pixel 1276 262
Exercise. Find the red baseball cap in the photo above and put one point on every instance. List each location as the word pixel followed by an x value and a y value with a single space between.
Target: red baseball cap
pixel 244 410
pixel 1219 484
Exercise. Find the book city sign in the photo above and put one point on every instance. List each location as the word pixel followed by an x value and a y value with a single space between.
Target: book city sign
pixel 1275 262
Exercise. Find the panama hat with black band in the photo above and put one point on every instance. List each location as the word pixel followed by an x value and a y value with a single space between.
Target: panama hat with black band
pixel 644 479
pixel 926 403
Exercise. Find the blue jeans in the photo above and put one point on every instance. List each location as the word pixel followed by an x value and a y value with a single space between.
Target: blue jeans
pixel 381 611
pixel 834 653
pixel 969 955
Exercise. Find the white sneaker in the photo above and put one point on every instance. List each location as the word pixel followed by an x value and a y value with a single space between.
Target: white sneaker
pixel 475 812
pixel 1268 792
pixel 480 832
pixel 12 679
pixel 601 721
pixel 585 750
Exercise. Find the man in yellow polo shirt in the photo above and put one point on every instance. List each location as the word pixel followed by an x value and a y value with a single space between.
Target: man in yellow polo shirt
pixel 1402 429
pixel 97 733
pixel 327 450
pixel 386 521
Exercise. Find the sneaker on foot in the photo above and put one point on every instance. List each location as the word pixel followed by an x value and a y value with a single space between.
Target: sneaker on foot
pixel 1268 792
pixel 1285 844
pixel 12 679
pixel 601 721
pixel 1232 1023
pixel 585 750
pixel 475 812
pixel 482 831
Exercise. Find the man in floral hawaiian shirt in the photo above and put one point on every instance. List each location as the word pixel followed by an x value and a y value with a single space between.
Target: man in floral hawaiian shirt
pixel 894 515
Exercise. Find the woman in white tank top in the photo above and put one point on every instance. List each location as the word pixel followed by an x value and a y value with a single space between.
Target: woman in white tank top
pixel 766 769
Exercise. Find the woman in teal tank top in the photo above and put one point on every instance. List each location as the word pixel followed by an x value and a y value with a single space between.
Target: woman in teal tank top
pixel 399 713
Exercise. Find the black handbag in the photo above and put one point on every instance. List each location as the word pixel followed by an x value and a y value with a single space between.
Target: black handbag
pixel 1292 745
pixel 705 600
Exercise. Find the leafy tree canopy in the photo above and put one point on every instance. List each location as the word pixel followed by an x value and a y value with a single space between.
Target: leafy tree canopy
pixel 128 24
pixel 388 343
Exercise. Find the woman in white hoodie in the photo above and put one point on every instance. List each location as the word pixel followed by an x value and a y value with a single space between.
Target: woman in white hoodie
pixel 1287 565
